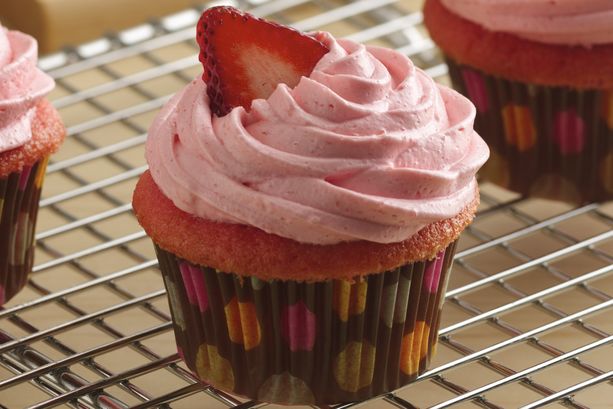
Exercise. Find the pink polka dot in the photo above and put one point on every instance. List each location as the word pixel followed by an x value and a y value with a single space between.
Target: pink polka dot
pixel 298 327
pixel 23 178
pixel 193 279
pixel 432 275
pixel 187 281
pixel 569 131
pixel 476 89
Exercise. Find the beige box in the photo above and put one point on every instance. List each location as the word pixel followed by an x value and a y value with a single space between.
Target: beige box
pixel 59 23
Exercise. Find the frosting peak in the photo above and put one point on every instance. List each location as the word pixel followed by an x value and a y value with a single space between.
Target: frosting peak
pixel 568 22
pixel 367 147
pixel 22 85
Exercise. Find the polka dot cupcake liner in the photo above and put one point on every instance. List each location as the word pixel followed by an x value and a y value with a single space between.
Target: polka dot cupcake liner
pixel 291 342
pixel 551 142
pixel 19 196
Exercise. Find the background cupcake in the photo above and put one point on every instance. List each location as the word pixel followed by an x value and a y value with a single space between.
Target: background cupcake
pixel 541 76
pixel 305 199
pixel 30 130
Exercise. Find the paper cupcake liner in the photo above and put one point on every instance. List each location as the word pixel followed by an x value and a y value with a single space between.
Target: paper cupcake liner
pixel 19 196
pixel 294 342
pixel 552 142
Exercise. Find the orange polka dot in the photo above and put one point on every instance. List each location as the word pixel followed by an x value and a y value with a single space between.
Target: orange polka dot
pixel 349 298
pixel 40 173
pixel 214 368
pixel 519 127
pixel 355 366
pixel 243 325
pixel 414 348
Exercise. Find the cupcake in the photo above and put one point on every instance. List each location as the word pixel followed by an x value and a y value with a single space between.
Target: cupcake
pixel 540 73
pixel 30 130
pixel 305 198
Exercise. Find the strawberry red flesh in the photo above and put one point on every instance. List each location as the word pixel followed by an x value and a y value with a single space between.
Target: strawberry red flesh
pixel 245 57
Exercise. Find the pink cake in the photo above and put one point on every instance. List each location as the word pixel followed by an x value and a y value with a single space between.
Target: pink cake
pixel 541 76
pixel 30 131
pixel 305 220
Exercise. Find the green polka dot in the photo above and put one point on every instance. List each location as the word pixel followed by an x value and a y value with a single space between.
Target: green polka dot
pixel 388 303
pixel 402 303
pixel 213 368
pixel 257 284
pixel 175 304
pixel 556 187
pixel 286 389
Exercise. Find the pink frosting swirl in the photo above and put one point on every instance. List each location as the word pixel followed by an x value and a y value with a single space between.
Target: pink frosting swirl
pixel 367 148
pixel 22 85
pixel 569 22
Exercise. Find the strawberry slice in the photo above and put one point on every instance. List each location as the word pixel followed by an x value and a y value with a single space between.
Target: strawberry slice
pixel 245 57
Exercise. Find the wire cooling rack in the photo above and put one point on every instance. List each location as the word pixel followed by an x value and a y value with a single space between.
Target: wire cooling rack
pixel 528 318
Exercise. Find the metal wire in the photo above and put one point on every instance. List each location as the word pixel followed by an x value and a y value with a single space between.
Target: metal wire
pixel 90 242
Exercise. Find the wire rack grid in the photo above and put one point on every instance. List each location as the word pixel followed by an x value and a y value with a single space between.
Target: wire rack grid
pixel 527 322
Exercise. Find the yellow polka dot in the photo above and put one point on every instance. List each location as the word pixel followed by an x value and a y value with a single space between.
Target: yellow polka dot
pixel 607 108
pixel 496 170
pixel 414 348
pixel 243 325
pixel 355 366
pixel 607 173
pixel 519 127
pixel 213 368
pixel 349 299
pixel 40 173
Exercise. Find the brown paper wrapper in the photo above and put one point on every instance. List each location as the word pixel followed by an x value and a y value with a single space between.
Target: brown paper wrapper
pixel 19 196
pixel 551 142
pixel 291 342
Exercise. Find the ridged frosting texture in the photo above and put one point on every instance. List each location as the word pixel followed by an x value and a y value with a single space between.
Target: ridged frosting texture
pixel 22 85
pixel 367 148
pixel 568 22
